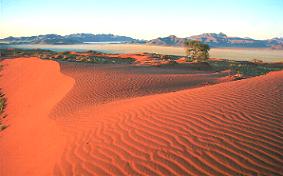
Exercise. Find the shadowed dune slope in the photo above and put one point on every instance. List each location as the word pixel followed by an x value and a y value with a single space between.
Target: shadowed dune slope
pixel 32 143
pixel 96 84
pixel 232 128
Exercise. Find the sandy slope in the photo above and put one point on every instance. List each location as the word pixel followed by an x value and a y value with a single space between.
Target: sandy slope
pixel 32 143
pixel 230 128
pixel 96 84
pixel 227 129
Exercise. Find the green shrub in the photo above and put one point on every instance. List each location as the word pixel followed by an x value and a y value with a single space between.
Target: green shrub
pixel 2 126
pixel 2 104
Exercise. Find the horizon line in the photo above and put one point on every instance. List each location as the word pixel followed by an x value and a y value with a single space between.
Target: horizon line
pixel 136 37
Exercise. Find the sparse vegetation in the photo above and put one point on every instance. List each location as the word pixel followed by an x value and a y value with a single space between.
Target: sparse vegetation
pixel 14 52
pixel 245 68
pixel 2 105
pixel 196 51
pixel 2 126
pixel 89 56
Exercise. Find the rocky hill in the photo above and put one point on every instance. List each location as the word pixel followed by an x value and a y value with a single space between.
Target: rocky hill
pixel 212 39
pixel 69 39
pixel 171 40
pixel 218 40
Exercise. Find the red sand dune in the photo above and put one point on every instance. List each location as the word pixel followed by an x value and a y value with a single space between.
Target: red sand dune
pixel 32 142
pixel 232 128
pixel 96 84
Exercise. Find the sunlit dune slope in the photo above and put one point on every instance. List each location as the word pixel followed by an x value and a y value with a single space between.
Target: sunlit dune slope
pixel 125 120
pixel 32 142
pixel 232 128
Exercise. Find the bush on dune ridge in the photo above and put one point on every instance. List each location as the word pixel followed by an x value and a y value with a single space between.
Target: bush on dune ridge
pixel 2 103
pixel 2 106
pixel 2 99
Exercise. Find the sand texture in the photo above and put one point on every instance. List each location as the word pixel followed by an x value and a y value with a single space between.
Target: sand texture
pixel 121 120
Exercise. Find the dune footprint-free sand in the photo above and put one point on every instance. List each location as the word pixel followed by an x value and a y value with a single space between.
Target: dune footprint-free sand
pixel 232 128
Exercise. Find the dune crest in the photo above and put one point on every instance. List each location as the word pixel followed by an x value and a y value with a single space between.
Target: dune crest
pixel 32 143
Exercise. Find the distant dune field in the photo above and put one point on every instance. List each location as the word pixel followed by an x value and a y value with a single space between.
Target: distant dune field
pixel 264 54
pixel 86 119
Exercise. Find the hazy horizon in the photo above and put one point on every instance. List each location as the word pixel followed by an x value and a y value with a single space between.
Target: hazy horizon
pixel 133 36
pixel 258 19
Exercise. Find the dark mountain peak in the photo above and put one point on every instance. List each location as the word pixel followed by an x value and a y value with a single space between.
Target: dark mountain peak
pixel 170 40
pixel 277 39
pixel 211 38
pixel 50 35
pixel 221 34
pixel 248 38
pixel 47 36
pixel 10 38
pixel 79 35
pixel 106 35
pixel 172 36
pixel 210 35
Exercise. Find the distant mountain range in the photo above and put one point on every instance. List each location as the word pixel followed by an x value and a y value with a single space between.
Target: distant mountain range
pixel 212 39
pixel 219 40
pixel 69 39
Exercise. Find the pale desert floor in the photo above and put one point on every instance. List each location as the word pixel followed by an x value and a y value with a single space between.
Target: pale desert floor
pixel 265 54
pixel 83 119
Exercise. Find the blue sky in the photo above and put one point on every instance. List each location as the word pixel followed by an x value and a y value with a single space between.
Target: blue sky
pixel 144 19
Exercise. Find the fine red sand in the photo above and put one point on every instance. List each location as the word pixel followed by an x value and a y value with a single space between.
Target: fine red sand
pixel 103 127
pixel 96 84
pixel 32 143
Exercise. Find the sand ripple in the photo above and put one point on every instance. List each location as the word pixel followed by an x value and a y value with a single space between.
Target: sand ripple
pixel 232 128
pixel 121 120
